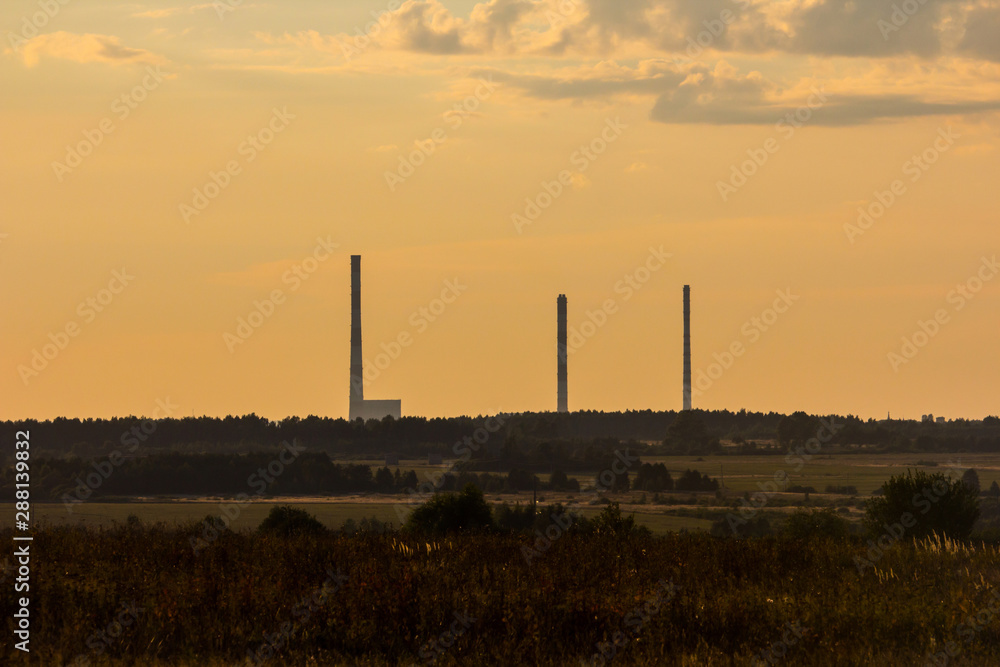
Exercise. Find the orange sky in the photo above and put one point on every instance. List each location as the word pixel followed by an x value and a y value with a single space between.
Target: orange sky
pixel 176 164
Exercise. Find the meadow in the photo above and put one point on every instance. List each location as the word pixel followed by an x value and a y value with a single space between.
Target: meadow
pixel 740 474
pixel 139 594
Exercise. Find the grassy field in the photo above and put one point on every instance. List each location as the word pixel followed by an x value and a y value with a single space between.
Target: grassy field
pixel 740 474
pixel 141 595
pixel 332 515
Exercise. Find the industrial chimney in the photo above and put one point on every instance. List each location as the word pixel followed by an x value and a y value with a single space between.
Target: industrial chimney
pixel 687 347
pixel 360 408
pixel 561 397
pixel 357 367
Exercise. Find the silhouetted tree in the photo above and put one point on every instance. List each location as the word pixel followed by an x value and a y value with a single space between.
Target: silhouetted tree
pixel 450 512
pixel 932 503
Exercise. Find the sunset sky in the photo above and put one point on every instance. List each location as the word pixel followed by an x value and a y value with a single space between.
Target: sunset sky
pixel 178 164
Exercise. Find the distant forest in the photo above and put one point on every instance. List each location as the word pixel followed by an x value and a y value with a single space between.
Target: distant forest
pixel 76 460
pixel 533 439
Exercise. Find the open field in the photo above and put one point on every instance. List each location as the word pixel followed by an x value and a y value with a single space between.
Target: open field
pixel 741 474
pixel 388 600
pixel 331 514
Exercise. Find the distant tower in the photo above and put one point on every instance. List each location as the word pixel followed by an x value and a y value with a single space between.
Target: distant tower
pixel 357 367
pixel 687 347
pixel 360 408
pixel 562 400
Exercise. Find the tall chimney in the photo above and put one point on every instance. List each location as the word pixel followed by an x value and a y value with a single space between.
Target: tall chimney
pixel 687 347
pixel 357 369
pixel 562 399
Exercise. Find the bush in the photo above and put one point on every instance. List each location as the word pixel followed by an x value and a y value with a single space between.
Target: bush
pixel 451 512
pixel 735 526
pixel 285 521
pixel 653 477
pixel 610 522
pixel 849 490
pixel 935 503
pixel 692 480
pixel 816 524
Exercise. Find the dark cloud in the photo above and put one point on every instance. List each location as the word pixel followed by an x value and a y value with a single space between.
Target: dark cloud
pixel 982 33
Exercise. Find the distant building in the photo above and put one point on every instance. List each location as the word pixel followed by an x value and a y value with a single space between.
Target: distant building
pixel 927 418
pixel 359 407
pixel 940 420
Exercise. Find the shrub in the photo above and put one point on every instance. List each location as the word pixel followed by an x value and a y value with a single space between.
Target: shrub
pixel 735 526
pixel 285 520
pixel 653 477
pixel 692 480
pixel 451 512
pixel 935 503
pixel 610 522
pixel 818 523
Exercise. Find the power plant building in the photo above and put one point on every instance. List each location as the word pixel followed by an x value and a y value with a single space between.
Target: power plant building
pixel 359 407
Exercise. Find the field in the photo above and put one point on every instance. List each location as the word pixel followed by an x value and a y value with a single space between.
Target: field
pixel 740 474
pixel 141 595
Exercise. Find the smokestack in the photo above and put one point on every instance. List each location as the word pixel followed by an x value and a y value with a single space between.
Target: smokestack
pixel 687 347
pixel 357 370
pixel 561 397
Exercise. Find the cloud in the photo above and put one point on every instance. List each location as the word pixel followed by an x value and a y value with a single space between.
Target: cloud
pixel 159 13
pixel 723 97
pixel 982 34
pixel 388 148
pixel 603 80
pixel 85 48
pixel 166 12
